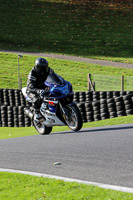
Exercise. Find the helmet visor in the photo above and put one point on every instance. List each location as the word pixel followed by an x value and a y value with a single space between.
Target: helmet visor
pixel 44 70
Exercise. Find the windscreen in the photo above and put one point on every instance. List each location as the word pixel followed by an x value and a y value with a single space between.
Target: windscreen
pixel 54 79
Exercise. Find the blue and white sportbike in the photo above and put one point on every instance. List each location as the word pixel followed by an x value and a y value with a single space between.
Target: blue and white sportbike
pixel 58 108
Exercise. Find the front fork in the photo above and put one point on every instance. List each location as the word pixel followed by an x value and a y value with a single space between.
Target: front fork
pixel 64 111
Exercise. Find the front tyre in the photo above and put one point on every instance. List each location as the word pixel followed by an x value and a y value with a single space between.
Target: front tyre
pixel 42 130
pixel 73 117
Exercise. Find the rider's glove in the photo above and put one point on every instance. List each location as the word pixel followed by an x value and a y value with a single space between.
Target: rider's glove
pixel 42 93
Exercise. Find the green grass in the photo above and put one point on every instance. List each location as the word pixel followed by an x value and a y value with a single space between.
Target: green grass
pixel 21 187
pixel 103 32
pixel 42 26
pixel 75 72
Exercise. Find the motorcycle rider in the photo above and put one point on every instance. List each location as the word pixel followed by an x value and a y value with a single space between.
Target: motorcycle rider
pixel 36 89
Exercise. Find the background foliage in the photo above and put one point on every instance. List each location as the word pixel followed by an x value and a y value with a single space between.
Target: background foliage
pixel 86 28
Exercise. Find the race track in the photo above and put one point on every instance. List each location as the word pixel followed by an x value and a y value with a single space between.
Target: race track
pixel 103 154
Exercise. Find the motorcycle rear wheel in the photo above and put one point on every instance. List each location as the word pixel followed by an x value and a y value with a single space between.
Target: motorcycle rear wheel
pixel 43 130
pixel 73 118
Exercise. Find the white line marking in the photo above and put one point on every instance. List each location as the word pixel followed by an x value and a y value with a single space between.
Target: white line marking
pixel 101 185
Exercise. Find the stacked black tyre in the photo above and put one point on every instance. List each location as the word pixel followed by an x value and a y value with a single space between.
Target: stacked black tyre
pixel 111 107
pixel 105 105
pixel 128 102
pixel 10 117
pixel 12 104
pixel 10 97
pixel 4 116
pixel 81 107
pixel 120 107
pixel 96 110
pixel 13 116
pixel 104 112
pixel 89 112
pixel 76 97
pixel 89 96
pixel 93 106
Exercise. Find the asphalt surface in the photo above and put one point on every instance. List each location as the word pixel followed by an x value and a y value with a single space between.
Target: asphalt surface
pixel 103 154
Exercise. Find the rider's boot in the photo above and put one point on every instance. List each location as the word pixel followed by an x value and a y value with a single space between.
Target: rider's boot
pixel 37 117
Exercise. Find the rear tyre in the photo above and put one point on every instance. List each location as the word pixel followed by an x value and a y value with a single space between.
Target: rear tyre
pixel 73 117
pixel 43 130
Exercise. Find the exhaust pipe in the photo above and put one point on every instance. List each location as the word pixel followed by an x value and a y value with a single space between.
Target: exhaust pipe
pixel 28 113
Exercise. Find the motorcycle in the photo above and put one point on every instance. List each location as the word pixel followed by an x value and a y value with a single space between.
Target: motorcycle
pixel 58 108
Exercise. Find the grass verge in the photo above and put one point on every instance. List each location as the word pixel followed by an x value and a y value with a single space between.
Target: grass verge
pixel 7 132
pixel 75 72
pixel 22 187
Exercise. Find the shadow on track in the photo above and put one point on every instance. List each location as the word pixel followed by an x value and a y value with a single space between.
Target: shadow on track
pixel 97 129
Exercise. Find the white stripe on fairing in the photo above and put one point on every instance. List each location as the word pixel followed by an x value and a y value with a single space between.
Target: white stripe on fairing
pixel 101 185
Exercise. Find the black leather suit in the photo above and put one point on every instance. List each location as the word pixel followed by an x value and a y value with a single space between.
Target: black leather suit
pixel 35 84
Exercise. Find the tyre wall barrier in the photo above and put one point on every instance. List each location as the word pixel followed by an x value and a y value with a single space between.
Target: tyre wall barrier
pixel 93 106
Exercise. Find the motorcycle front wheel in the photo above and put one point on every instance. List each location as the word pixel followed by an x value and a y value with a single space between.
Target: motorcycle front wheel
pixel 42 130
pixel 73 117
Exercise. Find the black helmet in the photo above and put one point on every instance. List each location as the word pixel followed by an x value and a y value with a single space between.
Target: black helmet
pixel 41 65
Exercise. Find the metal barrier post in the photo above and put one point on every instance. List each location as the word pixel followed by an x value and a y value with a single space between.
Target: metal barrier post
pixel 19 79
